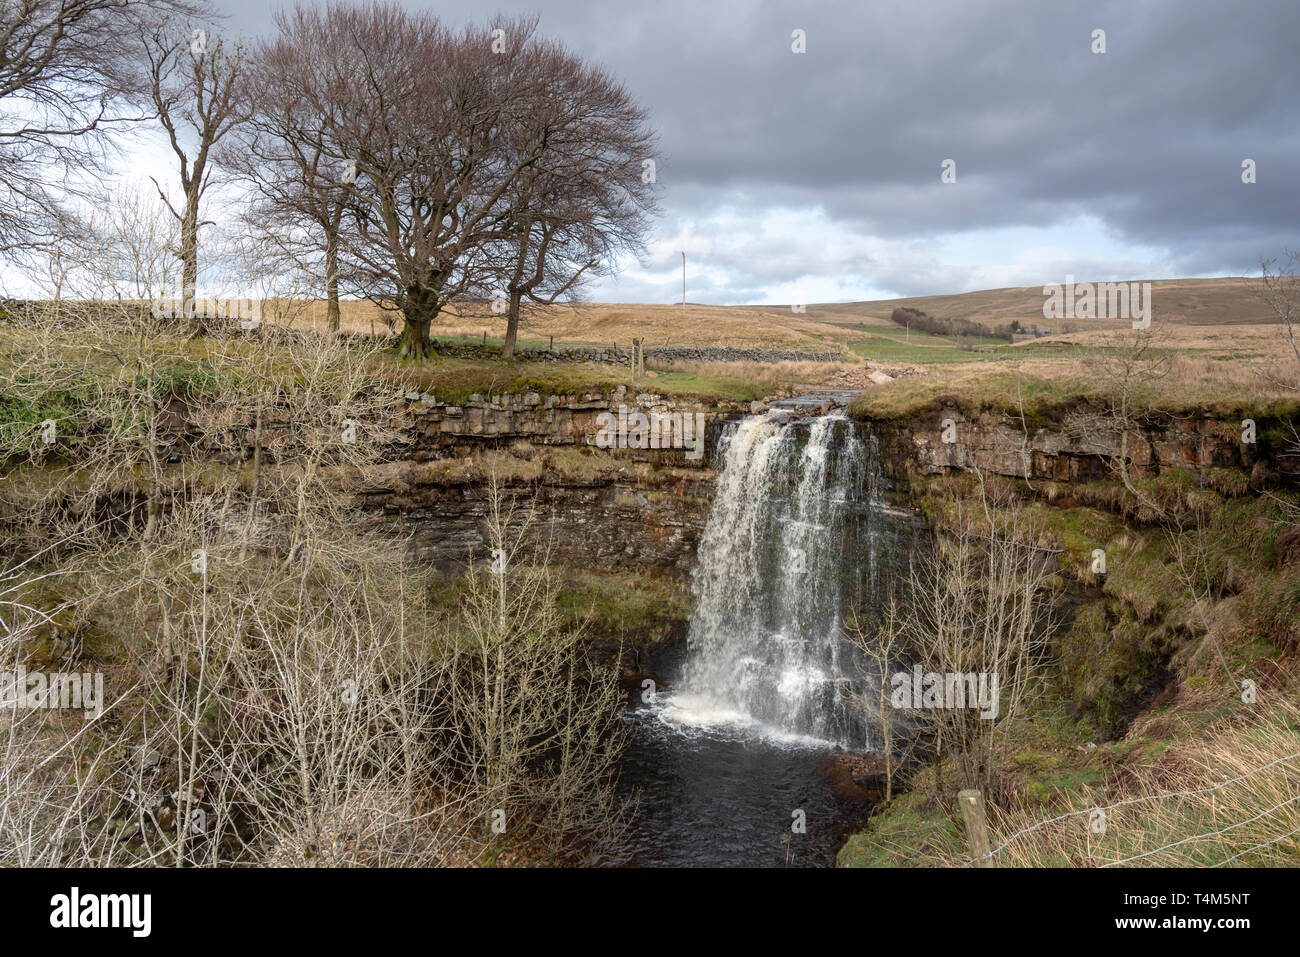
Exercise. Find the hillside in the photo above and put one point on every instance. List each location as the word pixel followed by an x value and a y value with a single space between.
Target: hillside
pixel 1201 303
pixel 1197 302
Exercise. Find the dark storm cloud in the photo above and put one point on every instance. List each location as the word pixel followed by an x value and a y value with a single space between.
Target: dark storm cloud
pixel 1147 139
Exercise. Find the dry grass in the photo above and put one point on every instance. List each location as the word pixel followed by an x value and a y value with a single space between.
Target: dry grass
pixel 1222 353
pixel 1251 822
pixel 1033 386
pixel 612 324
pixel 1198 302
pixel 777 375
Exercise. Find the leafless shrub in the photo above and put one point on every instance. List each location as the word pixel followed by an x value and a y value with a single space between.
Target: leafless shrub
pixel 979 604
pixel 1279 289
pixel 537 733
pixel 883 641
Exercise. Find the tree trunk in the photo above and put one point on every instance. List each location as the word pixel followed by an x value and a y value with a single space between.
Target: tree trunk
pixel 332 284
pixel 418 312
pixel 415 336
pixel 512 325
pixel 190 255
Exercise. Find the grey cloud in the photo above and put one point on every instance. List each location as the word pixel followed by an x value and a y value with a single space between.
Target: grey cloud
pixel 1148 138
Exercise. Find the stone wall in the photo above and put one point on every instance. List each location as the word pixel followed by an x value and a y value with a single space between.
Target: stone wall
pixel 667 355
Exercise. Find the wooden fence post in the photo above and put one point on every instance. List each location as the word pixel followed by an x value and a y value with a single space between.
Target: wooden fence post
pixel 971 803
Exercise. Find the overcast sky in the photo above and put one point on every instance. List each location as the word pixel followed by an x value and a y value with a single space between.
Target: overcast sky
pixel 816 177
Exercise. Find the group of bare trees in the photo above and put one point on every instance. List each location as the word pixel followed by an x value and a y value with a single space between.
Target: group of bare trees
pixel 69 77
pixel 382 154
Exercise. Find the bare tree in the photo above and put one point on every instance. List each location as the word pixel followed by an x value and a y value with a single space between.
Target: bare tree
pixel 1279 288
pixel 885 645
pixel 980 604
pixel 67 74
pixel 422 113
pixel 196 87
pixel 299 178
pixel 535 732
pixel 589 195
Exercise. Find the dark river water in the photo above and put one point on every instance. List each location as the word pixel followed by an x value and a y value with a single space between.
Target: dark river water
pixel 723 797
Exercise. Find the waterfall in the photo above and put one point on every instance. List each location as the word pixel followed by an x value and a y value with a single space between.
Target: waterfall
pixel 790 539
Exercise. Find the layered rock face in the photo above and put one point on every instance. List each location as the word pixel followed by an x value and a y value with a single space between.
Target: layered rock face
pixel 621 509
pixel 602 524
pixel 651 516
pixel 484 421
pixel 1081 447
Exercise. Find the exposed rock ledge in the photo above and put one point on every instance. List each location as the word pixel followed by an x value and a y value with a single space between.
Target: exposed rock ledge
pixel 1078 448
pixel 439 428
pixel 610 521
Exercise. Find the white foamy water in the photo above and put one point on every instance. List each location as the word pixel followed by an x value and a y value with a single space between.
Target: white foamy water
pixel 788 535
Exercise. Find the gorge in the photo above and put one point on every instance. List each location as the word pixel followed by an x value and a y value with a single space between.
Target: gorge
pixel 792 516
pixel 746 740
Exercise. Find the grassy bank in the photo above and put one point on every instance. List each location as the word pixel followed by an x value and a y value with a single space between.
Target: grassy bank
pixel 1142 691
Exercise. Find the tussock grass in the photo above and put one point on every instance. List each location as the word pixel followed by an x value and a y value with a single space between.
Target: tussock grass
pixel 774 375
pixel 1251 818
pixel 1044 388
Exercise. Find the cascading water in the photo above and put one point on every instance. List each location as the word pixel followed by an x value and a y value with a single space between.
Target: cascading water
pixel 790 539
pixel 741 737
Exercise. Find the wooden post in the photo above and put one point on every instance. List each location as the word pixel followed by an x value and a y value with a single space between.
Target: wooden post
pixel 552 344
pixel 485 338
pixel 977 826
